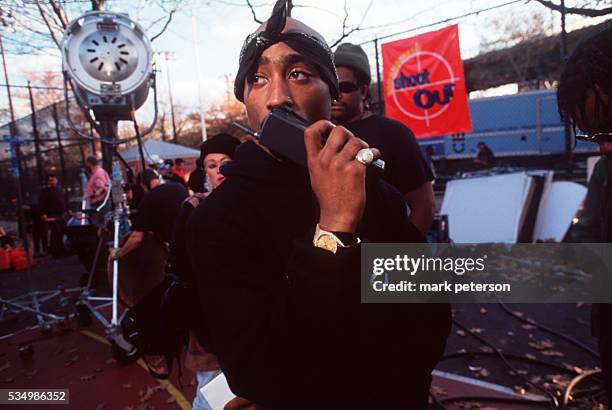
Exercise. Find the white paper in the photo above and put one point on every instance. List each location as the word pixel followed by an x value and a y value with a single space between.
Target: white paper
pixel 217 392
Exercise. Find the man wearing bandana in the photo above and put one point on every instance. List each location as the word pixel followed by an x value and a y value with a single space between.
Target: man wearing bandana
pixel 276 251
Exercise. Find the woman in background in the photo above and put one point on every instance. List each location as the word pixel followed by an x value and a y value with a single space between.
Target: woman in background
pixel 214 153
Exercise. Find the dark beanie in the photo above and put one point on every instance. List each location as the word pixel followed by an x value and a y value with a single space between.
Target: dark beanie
pixel 352 56
pixel 219 144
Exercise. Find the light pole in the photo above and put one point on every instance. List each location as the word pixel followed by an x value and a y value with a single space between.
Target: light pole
pixel 170 56
pixel 196 45
pixel 13 126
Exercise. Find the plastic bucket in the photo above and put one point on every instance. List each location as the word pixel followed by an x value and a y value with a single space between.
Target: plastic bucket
pixel 5 259
pixel 18 259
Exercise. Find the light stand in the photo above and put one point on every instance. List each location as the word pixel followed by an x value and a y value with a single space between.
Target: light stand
pixel 108 64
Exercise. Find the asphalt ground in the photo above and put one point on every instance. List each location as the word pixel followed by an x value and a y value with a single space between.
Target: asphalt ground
pixel 546 360
pixel 47 274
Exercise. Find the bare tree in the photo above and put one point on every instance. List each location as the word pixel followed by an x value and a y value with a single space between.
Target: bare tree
pixel 252 8
pixel 586 8
pixel 527 51
pixel 347 29
pixel 514 30
pixel 39 24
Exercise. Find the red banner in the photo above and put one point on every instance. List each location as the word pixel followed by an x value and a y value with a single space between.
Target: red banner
pixel 424 85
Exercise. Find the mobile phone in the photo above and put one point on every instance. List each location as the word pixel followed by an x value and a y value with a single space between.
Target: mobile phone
pixel 282 132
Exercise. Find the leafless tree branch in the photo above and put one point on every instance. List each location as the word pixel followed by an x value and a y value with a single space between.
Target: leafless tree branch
pixel 59 13
pixel 48 23
pixel 576 10
pixel 25 47
pixel 239 4
pixel 28 26
pixel 307 6
pixel 170 14
pixel 347 32
pixel 253 12
pixel 154 22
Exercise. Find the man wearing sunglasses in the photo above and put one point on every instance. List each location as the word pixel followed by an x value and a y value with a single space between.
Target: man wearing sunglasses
pixel 584 98
pixel 405 169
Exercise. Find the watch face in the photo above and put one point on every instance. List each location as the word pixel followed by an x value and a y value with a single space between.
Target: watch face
pixel 327 242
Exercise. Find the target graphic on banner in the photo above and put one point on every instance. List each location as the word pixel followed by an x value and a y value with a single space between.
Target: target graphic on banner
pixel 420 96
pixel 424 84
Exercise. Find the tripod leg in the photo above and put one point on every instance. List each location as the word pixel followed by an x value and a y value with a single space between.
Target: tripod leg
pixel 36 305
pixel 92 271
pixel 114 320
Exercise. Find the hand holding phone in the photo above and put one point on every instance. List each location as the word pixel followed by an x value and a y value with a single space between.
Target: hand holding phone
pixel 282 132
pixel 337 179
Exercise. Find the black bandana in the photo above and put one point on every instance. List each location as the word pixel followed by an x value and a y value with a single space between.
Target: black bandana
pixel 315 50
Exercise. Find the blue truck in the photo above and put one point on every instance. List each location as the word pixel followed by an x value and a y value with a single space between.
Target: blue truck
pixel 515 127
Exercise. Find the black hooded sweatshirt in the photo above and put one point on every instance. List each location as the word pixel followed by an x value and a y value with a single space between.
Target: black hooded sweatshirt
pixel 284 317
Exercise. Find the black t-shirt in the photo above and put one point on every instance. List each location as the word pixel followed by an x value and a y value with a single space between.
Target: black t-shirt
pixel 159 208
pixel 52 202
pixel 405 167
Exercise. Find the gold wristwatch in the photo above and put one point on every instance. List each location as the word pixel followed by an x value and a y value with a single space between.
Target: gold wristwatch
pixel 328 240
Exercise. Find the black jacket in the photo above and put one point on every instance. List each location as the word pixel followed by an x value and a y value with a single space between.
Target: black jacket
pixel 52 202
pixel 196 180
pixel 594 223
pixel 285 318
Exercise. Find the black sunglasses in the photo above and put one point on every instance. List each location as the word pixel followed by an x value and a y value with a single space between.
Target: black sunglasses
pixel 595 137
pixel 348 87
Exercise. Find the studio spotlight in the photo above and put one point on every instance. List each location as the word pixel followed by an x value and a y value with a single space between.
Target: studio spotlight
pixel 108 59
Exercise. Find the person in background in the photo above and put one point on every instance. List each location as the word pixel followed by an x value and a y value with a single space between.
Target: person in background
pixel 429 153
pixel 6 241
pixel 155 162
pixel 169 174
pixel 588 227
pixel 213 161
pixel 484 157
pixel 38 228
pixel 214 153
pixel 197 177
pixel 134 194
pixel 156 212
pixel 165 169
pixel 179 169
pixel 98 182
pixel 405 167
pixel 584 98
pixel 53 208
